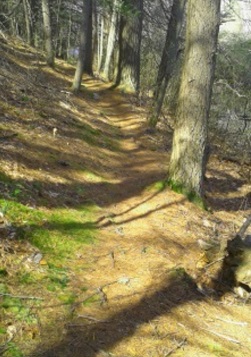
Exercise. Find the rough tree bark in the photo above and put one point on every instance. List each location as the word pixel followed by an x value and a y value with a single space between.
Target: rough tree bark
pixel 170 65
pixel 111 39
pixel 88 52
pixel 100 41
pixel 47 33
pixel 186 172
pixel 128 75
pixel 28 22
pixel 86 10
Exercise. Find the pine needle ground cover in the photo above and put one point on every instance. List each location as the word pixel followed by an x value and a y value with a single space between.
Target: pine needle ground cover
pixel 97 255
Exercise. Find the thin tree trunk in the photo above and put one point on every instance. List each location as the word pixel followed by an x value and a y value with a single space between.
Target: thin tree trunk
pixel 47 33
pixel 95 45
pixel 186 172
pixel 100 36
pixel 89 54
pixel 82 46
pixel 69 35
pixel 130 42
pixel 35 21
pixel 58 31
pixel 28 21
pixel 170 64
pixel 111 39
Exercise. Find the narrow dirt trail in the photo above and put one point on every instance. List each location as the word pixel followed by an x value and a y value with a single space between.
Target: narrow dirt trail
pixel 77 162
pixel 141 269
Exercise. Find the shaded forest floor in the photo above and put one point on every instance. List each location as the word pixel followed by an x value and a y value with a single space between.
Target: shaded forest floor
pixel 97 256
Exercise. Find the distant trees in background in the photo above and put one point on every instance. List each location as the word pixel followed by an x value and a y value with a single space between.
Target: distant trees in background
pixel 140 46
pixel 170 65
pixel 113 29
pixel 42 21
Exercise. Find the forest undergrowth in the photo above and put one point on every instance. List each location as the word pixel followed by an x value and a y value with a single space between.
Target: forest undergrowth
pixel 98 257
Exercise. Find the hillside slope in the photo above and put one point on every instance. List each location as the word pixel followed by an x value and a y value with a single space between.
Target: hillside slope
pixel 97 256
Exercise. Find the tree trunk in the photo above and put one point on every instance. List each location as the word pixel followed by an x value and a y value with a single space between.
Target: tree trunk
pixel 130 42
pixel 82 46
pixel 187 167
pixel 170 64
pixel 88 52
pixel 47 33
pixel 100 40
pixel 28 21
pixel 111 39
pixel 68 50
pixel 95 34
pixel 58 30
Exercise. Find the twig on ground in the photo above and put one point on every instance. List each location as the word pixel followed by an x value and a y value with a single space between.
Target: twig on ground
pixel 91 318
pixel 113 258
pixel 103 296
pixel 214 262
pixel 244 227
pixel 179 345
pixel 97 292
pixel 227 338
pixel 21 297
pixel 233 322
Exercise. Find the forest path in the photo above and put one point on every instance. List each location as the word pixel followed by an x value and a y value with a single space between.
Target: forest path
pixel 77 165
pixel 143 265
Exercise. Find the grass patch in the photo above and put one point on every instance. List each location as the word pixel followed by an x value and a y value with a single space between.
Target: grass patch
pixel 60 232
pixel 13 350
pixel 91 300
pixel 64 232
pixel 190 195
pixel 217 349
pixel 158 186
pixel 67 299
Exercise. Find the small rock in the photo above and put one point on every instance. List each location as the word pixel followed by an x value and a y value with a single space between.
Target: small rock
pixel 35 257
pixel 3 221
pixel 124 280
pixel 96 96
pixel 206 245
pixel 119 231
pixel 206 223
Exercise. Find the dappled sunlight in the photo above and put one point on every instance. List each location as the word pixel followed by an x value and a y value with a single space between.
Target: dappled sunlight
pixel 106 253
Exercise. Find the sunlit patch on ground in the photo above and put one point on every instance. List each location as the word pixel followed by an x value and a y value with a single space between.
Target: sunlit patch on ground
pixel 98 257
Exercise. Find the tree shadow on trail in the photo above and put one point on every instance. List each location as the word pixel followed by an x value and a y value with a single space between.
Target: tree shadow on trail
pixel 220 185
pixel 86 340
pixel 98 335
pixel 105 221
pixel 91 337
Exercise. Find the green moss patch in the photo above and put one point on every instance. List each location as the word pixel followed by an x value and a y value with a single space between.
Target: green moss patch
pixel 190 195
